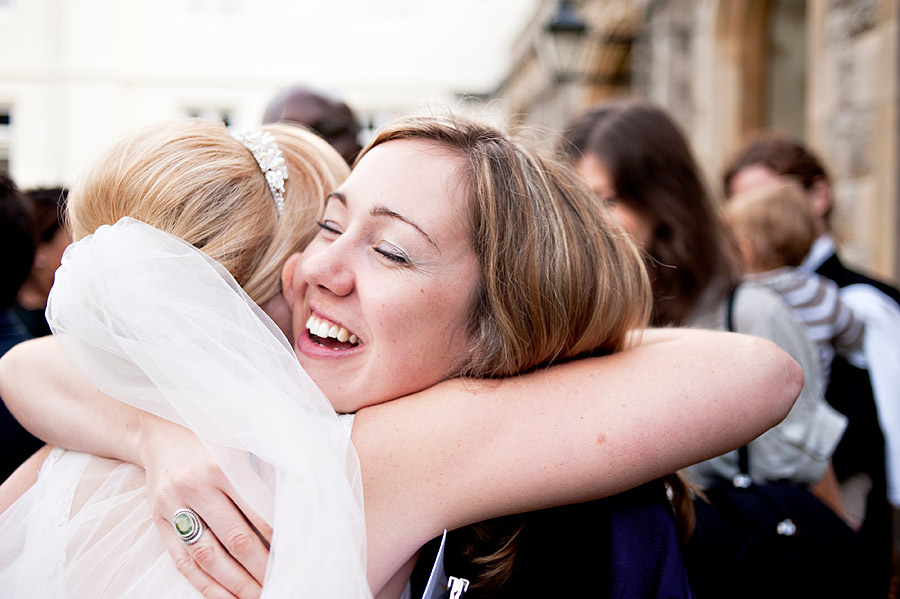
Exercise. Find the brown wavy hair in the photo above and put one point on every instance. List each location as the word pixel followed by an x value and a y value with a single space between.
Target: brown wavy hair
pixel 559 280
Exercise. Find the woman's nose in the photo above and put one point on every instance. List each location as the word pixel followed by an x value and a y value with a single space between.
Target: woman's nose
pixel 328 268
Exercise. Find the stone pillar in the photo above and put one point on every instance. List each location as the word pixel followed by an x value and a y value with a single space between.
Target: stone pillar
pixel 852 123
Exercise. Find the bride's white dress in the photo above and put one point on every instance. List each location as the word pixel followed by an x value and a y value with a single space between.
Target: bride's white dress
pixel 155 323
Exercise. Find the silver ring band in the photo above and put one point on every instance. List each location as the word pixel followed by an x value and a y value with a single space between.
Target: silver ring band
pixel 188 526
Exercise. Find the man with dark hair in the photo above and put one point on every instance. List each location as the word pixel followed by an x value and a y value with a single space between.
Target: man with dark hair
pixel 327 115
pixel 870 399
pixel 768 156
pixel 17 247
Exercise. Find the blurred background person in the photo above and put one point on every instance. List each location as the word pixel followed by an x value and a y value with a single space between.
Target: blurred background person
pixel 326 114
pixel 775 229
pixel 17 245
pixel 870 448
pixel 638 161
pixel 770 155
pixel 51 238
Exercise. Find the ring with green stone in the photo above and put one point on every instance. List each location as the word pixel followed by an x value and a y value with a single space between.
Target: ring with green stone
pixel 187 525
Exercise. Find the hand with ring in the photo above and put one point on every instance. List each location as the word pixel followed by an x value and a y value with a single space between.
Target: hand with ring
pixel 218 543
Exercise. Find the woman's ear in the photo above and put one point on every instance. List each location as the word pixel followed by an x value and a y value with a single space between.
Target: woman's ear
pixel 287 278
pixel 279 312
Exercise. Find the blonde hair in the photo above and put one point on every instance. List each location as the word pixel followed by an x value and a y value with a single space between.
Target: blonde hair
pixel 557 279
pixel 192 179
pixel 776 221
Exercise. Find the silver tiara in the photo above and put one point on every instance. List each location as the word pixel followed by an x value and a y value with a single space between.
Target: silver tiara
pixel 270 159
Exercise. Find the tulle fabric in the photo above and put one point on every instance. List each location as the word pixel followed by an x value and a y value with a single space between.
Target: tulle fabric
pixel 155 323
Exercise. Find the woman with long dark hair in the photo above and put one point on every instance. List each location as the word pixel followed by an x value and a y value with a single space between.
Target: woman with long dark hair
pixel 637 160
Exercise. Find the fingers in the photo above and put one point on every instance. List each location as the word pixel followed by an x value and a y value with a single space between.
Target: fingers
pixel 186 566
pixel 243 544
pixel 208 566
pixel 218 563
pixel 229 558
pixel 262 528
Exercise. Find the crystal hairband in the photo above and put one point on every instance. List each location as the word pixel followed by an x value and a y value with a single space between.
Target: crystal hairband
pixel 270 159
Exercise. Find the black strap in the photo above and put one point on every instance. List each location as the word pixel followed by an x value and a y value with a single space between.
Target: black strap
pixel 744 460
pixel 743 453
pixel 729 313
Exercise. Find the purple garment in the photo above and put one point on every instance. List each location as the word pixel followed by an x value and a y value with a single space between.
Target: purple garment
pixel 624 547
pixel 645 554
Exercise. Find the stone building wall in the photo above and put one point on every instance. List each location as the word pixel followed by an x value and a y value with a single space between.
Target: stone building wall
pixel 823 70
pixel 694 57
pixel 852 121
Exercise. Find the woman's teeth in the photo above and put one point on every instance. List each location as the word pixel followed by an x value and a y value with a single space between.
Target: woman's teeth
pixel 326 329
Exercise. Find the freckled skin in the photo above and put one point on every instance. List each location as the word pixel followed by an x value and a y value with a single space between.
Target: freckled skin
pixel 388 230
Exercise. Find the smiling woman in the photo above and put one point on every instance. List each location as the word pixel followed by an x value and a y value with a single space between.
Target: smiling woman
pixel 394 266
pixel 452 249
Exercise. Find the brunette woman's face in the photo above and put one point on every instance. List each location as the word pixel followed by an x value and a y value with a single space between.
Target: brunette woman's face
pixel 635 223
pixel 381 297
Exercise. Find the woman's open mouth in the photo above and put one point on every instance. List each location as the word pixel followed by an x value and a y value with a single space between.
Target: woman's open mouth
pixel 327 334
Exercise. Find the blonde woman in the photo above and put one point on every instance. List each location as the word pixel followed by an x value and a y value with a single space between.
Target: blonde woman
pixel 403 287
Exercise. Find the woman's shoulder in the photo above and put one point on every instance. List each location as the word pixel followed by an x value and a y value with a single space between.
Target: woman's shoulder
pixel 760 311
pixel 758 306
pixel 753 293
pixel 753 306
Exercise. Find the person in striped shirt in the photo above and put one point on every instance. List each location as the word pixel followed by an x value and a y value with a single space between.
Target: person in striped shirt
pixel 775 228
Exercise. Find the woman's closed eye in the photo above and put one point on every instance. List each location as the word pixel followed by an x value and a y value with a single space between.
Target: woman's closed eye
pixel 392 253
pixel 329 226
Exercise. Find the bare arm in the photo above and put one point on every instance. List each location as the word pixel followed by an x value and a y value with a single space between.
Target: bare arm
pixel 464 451
pixel 46 394
pixel 828 490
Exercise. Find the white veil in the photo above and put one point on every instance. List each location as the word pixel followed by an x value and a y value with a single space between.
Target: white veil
pixel 155 323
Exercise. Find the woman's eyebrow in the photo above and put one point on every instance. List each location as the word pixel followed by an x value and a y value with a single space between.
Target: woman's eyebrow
pixel 338 195
pixel 380 210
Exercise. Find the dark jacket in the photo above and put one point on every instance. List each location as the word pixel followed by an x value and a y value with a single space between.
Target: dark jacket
pixel 624 546
pixel 862 449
